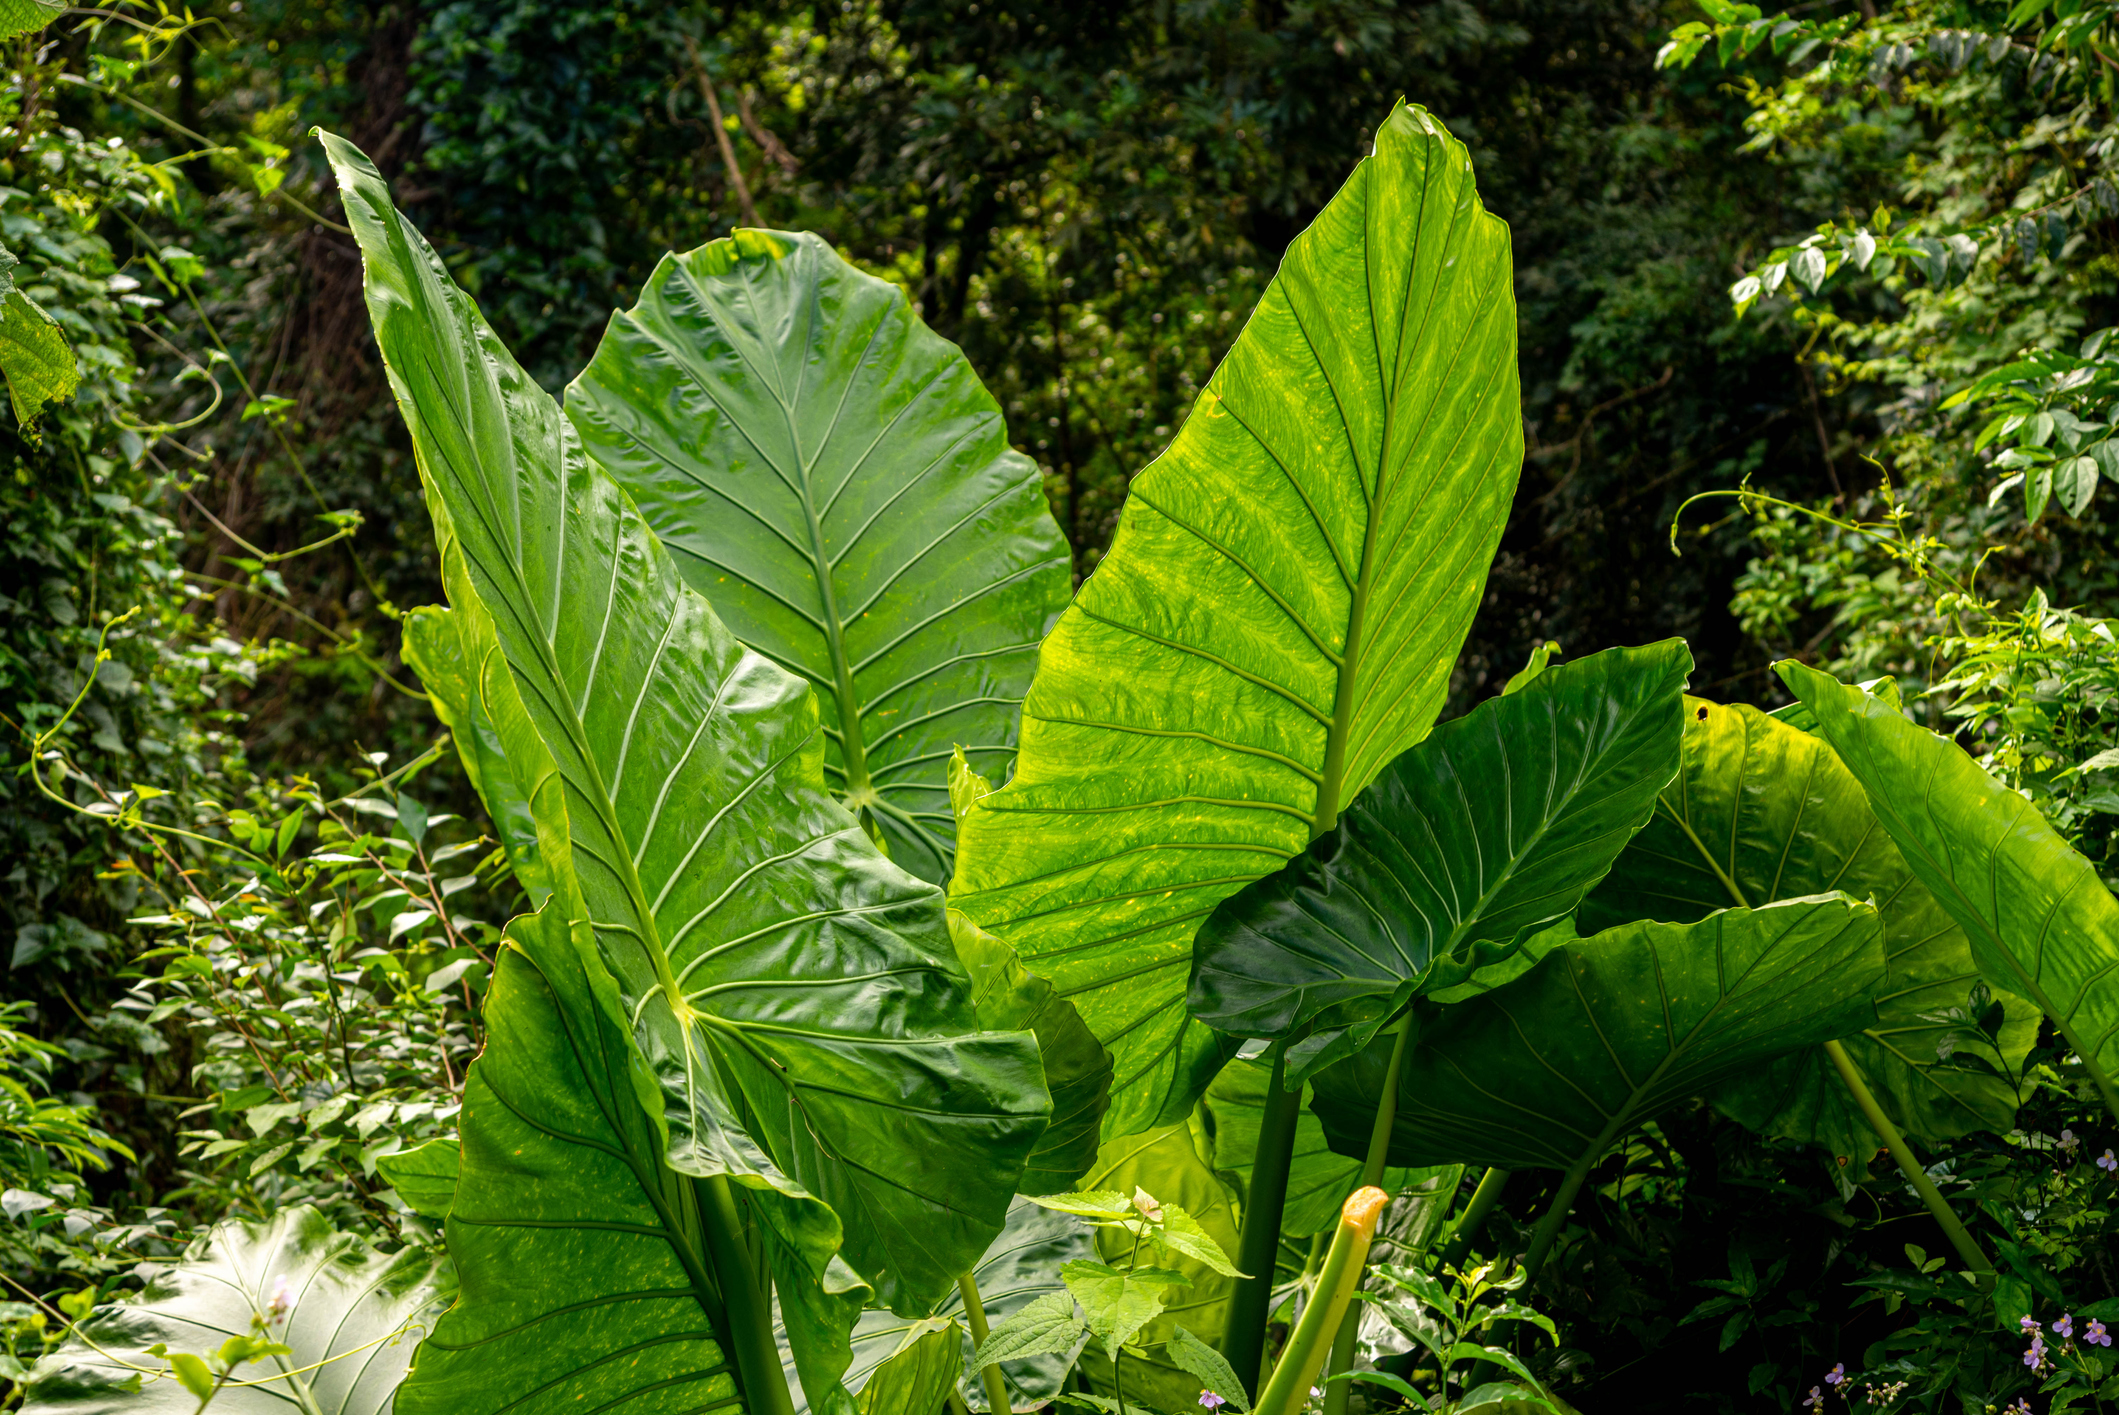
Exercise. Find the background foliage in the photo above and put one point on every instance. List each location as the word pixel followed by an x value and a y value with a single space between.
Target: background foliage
pixel 1088 198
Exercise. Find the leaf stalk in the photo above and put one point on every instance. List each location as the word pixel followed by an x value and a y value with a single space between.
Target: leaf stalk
pixel 989 1375
pixel 1244 1337
pixel 1960 1238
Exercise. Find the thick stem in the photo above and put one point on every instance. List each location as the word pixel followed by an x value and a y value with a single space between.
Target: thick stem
pixel 1548 1229
pixel 1244 1338
pixel 1483 1200
pixel 1967 1247
pixel 989 1376
pixel 749 1308
pixel 1285 1393
pixel 1372 1167
pixel 1118 1381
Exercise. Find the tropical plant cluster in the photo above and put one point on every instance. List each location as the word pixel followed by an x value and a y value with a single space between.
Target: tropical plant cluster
pixel 854 935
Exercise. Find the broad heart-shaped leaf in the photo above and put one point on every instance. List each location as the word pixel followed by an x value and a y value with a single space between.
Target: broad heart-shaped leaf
pixel 1549 1070
pixel 1491 829
pixel 562 1051
pixel 2041 923
pixel 1022 1265
pixel 794 995
pixel 362 1311
pixel 1318 1178
pixel 1762 811
pixel 1277 618
pixel 1166 1163
pixel 831 474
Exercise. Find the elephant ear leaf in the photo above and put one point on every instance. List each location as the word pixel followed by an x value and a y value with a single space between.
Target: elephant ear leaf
pixel 1487 832
pixel 1550 1070
pixel 831 474
pixel 792 996
pixel 1763 811
pixel 1278 615
pixel 2041 923
pixel 360 1313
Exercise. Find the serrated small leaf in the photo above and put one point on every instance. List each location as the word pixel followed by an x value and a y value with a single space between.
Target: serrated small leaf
pixel 1046 1326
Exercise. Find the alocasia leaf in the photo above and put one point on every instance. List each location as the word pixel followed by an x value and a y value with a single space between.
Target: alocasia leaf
pixel 1319 1179
pixel 831 474
pixel 360 1312
pixel 1488 831
pixel 2041 923
pixel 584 1275
pixel 1763 811
pixel 792 994
pixel 1549 1070
pixel 1278 615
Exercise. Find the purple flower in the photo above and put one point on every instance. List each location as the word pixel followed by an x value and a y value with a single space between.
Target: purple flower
pixel 2068 1141
pixel 2065 1327
pixel 1212 1401
pixel 2108 1162
pixel 1837 1374
pixel 2096 1335
pixel 2034 1355
pixel 2030 1327
pixel 1817 1398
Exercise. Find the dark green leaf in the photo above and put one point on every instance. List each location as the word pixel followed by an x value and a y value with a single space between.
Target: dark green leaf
pixel 1551 1069
pixel 1278 615
pixel 1188 1353
pixel 1010 998
pixel 1760 812
pixel 794 995
pixel 2041 923
pixel 1490 830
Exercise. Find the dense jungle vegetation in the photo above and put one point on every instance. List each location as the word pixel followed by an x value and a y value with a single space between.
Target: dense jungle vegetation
pixel 916 705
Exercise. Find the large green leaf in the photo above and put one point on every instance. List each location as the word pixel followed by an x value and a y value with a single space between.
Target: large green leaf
pixel 792 994
pixel 1488 831
pixel 2041 923
pixel 1278 616
pixel 1319 1179
pixel 1166 1164
pixel 1763 811
pixel 1549 1070
pixel 360 1312
pixel 833 476
pixel 585 1280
